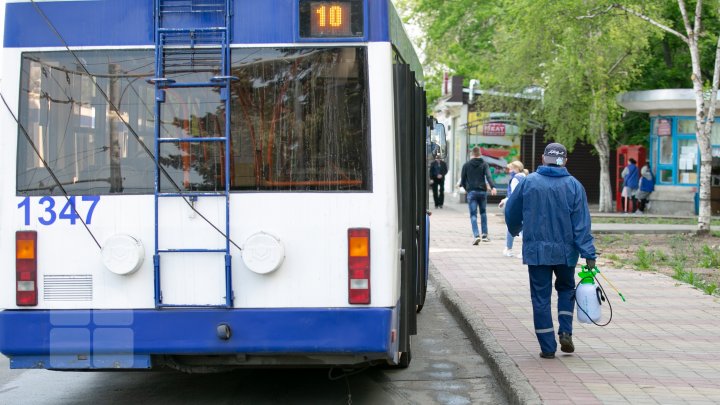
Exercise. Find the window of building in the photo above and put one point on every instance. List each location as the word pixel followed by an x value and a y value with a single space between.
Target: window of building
pixel 687 161
pixel 686 126
pixel 661 143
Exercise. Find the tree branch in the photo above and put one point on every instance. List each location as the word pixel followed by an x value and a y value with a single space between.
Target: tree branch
pixel 617 63
pixel 650 20
pixel 596 14
pixel 698 19
pixel 713 93
pixel 686 20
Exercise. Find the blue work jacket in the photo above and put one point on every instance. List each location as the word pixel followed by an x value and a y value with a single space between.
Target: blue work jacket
pixel 550 207
pixel 632 178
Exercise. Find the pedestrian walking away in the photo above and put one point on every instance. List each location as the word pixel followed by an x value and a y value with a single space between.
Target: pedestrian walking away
pixel 438 170
pixel 550 207
pixel 646 187
pixel 475 178
pixel 631 178
pixel 517 173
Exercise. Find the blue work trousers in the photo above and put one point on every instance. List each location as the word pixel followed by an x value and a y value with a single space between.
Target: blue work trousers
pixel 541 293
pixel 478 199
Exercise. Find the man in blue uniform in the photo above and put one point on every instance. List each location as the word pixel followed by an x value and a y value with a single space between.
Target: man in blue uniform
pixel 550 207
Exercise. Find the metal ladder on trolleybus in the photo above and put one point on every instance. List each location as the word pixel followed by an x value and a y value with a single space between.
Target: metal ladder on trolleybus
pixel 192 35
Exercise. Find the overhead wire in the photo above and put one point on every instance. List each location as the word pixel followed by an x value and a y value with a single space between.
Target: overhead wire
pixel 57 181
pixel 118 114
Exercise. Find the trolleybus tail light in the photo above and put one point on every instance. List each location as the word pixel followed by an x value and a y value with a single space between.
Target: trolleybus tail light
pixel 26 268
pixel 359 265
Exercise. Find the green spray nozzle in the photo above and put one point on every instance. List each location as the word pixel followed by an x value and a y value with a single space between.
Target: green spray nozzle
pixel 587 276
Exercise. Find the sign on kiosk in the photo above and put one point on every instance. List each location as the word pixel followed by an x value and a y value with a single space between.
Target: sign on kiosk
pixel 494 129
pixel 663 128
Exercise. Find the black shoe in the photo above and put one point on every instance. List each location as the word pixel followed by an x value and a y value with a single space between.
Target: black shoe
pixel 547 355
pixel 566 343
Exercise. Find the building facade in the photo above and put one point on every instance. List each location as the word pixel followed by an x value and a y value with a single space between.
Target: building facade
pixel 501 140
pixel 673 153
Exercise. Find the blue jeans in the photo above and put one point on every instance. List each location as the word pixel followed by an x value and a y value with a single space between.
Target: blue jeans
pixel 541 292
pixel 477 199
pixel 509 240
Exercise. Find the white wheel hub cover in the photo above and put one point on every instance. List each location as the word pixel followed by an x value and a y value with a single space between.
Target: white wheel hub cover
pixel 263 253
pixel 122 254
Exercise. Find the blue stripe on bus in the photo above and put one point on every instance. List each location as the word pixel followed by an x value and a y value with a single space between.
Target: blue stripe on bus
pixel 30 336
pixel 130 23
pixel 81 23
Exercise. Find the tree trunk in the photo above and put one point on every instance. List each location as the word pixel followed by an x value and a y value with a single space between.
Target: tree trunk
pixel 704 214
pixel 602 146
pixel 703 140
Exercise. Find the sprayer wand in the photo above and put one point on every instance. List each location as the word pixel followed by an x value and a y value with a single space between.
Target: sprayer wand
pixel 611 284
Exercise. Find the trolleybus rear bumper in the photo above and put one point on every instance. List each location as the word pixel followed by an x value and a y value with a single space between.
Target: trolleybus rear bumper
pixel 102 339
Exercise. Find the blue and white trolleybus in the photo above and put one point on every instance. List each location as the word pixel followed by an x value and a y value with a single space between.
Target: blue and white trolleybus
pixel 210 183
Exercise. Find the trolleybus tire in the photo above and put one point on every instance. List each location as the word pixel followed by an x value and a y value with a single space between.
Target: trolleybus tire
pixel 424 275
pixel 422 293
pixel 405 358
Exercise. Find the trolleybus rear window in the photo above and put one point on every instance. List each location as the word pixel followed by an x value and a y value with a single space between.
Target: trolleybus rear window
pixel 299 121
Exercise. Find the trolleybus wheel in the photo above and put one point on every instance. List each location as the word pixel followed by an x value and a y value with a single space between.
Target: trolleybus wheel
pixel 422 293
pixel 405 358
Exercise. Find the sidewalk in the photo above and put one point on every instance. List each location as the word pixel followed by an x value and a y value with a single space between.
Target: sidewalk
pixel 662 346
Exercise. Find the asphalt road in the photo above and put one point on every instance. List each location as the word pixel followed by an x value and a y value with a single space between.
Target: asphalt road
pixel 445 369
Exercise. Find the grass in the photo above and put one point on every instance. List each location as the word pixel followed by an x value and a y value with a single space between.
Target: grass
pixel 693 279
pixel 644 259
pixel 685 257
pixel 632 219
pixel 710 257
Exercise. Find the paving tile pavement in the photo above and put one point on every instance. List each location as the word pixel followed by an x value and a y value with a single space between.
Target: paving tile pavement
pixel 662 346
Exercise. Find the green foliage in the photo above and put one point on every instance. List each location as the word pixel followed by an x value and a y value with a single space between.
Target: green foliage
pixel 457 37
pixel 690 277
pixel 644 259
pixel 693 279
pixel 582 63
pixel 679 272
pixel 580 52
pixel 710 288
pixel 710 257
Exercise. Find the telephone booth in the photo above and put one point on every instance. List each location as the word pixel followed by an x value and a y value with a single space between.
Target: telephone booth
pixel 624 153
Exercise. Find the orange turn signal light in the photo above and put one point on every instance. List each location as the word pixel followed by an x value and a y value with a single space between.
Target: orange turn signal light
pixel 358 246
pixel 25 249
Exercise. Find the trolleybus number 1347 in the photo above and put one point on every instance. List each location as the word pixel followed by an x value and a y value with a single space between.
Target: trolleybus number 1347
pixel 52 212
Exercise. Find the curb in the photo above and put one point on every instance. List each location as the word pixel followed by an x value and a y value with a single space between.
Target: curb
pixel 513 382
